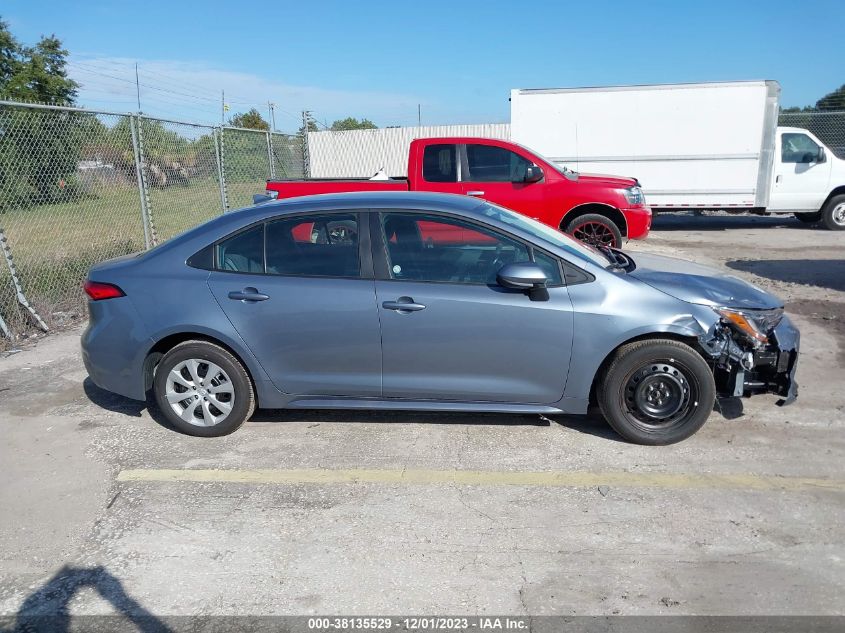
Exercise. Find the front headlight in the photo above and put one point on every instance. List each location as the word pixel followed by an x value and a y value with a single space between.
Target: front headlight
pixel 755 324
pixel 634 196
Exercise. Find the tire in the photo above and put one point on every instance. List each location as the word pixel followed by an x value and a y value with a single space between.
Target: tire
pixel 229 387
pixel 808 218
pixel 833 213
pixel 593 229
pixel 644 382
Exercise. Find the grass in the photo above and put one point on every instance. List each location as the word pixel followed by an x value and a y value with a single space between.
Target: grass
pixel 55 245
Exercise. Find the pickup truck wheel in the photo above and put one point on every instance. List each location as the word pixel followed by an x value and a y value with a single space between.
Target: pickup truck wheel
pixel 833 214
pixel 656 392
pixel 596 230
pixel 808 218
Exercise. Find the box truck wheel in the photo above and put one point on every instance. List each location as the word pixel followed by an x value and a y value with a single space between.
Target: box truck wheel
pixel 833 213
pixel 595 229
pixel 808 218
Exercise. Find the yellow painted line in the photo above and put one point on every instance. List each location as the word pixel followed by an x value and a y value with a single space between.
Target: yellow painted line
pixel 575 479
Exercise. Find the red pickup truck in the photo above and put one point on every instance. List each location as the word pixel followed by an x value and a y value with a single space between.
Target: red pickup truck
pixel 595 209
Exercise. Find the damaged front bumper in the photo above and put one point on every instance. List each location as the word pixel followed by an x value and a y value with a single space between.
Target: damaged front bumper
pixel 743 370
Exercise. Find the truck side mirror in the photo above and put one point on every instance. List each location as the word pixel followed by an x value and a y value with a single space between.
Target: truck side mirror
pixel 533 174
pixel 822 157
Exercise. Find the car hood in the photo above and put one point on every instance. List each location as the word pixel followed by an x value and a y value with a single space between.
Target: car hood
pixel 700 284
pixel 604 180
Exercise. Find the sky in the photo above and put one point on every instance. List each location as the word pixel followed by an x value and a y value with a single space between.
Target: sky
pixel 455 60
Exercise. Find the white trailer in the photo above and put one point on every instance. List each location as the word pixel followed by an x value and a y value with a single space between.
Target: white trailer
pixel 692 146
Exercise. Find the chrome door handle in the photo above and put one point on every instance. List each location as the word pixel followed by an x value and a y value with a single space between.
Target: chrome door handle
pixel 248 294
pixel 403 305
pixel 475 193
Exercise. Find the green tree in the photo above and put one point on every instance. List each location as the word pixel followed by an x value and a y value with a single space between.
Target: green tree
pixel 35 73
pixel 252 120
pixel 351 123
pixel 39 149
pixel 833 100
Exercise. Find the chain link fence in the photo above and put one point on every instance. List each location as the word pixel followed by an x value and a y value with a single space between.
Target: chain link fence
pixel 80 186
pixel 829 127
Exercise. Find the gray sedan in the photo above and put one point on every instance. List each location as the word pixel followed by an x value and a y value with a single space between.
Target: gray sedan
pixel 412 301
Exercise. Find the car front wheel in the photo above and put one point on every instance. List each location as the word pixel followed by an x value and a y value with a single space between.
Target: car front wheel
pixel 656 392
pixel 203 390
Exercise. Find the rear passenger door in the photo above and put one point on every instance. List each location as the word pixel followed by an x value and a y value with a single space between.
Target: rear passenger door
pixel 440 170
pixel 299 291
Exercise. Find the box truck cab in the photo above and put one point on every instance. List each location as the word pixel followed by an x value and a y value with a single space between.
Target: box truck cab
pixel 808 179
pixel 708 146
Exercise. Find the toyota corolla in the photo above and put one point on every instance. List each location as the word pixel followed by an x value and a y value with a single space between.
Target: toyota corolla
pixel 415 301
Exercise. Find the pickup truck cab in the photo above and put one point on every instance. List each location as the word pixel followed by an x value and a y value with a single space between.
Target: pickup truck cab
pixel 598 210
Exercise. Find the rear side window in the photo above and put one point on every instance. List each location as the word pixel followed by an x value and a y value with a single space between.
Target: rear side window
pixel 314 246
pixel 440 164
pixel 243 252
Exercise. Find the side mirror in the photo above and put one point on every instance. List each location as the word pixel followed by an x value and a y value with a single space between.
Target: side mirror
pixel 822 156
pixel 808 157
pixel 533 174
pixel 521 276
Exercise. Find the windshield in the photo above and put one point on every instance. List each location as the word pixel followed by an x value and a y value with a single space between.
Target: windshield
pixel 561 169
pixel 547 233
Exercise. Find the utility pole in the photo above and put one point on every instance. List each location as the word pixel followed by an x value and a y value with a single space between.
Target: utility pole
pixel 419 115
pixel 306 159
pixel 137 87
pixel 222 107
pixel 272 108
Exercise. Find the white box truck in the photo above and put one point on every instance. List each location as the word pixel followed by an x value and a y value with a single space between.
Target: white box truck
pixel 699 146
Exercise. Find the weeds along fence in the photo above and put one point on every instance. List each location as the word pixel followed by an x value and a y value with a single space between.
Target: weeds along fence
pixel 80 186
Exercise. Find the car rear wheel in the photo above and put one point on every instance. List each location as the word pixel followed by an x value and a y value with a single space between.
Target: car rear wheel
pixel 203 390
pixel 833 214
pixel 808 218
pixel 656 392
pixel 596 230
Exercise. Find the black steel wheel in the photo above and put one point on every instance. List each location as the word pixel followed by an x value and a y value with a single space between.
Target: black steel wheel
pixel 596 230
pixel 657 391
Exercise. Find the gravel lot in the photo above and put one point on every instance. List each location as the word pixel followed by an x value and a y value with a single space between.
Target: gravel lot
pixel 367 513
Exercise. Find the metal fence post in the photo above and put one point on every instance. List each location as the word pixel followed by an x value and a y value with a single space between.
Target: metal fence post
pixel 144 184
pixel 142 196
pixel 306 158
pixel 221 170
pixel 270 160
pixel 7 255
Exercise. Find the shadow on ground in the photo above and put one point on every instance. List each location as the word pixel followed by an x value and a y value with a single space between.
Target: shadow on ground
pixel 690 222
pixel 824 273
pixel 47 608
pixel 592 424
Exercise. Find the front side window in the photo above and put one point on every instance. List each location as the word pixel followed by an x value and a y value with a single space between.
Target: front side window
pixel 432 248
pixel 314 246
pixel 798 148
pixel 242 252
pixel 495 164
pixel 439 163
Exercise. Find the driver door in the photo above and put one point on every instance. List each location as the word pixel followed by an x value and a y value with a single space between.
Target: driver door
pixel 497 174
pixel 801 182
pixel 449 332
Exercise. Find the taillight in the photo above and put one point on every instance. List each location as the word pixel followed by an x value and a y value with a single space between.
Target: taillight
pixel 98 290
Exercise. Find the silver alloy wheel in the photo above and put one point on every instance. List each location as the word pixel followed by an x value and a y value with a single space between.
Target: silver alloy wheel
pixel 838 214
pixel 200 392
